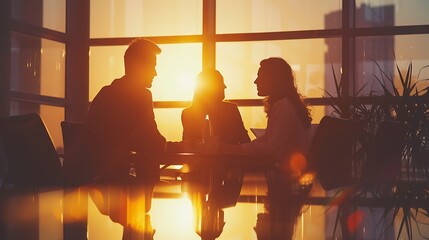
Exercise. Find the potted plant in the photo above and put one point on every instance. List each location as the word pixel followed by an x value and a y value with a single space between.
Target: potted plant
pixel 412 111
pixel 406 103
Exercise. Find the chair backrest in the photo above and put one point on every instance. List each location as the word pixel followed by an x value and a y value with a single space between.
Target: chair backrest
pixel 70 131
pixel 331 152
pixel 31 155
pixel 71 136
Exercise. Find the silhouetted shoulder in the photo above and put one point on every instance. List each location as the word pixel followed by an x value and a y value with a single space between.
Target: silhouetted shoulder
pixel 192 113
pixel 226 106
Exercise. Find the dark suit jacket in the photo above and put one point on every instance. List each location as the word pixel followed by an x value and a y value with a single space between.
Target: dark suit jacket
pixel 120 120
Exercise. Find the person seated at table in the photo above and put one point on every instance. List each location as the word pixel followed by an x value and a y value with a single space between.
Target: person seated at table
pixel 285 141
pixel 208 103
pixel 289 118
pixel 208 115
pixel 120 120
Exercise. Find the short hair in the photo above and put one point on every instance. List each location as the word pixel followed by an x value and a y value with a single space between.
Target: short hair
pixel 138 49
pixel 208 80
pixel 210 76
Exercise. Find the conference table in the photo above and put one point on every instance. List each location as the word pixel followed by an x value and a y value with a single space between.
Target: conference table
pixel 247 162
pixel 212 162
pixel 209 167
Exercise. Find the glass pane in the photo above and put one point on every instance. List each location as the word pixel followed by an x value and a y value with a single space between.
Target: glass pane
pixel 374 13
pixel 178 65
pixel 37 65
pixel 105 65
pixel 131 18
pixel 276 15
pixel 169 123
pixel 253 117
pixel 318 112
pixel 384 53
pixel 310 59
pixel 52 117
pixel 49 14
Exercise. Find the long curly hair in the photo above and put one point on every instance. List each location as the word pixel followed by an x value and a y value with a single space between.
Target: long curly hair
pixel 283 80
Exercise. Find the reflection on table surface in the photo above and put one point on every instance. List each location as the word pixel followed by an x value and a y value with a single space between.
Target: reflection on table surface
pixel 213 182
pixel 172 212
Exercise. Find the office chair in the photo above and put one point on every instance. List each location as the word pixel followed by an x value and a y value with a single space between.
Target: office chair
pixel 332 157
pixel 33 167
pixel 331 153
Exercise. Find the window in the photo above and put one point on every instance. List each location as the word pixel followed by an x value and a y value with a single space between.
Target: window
pixel 37 61
pixel 50 14
pixel 132 18
pixel 386 53
pixel 37 65
pixel 177 66
pixel 275 15
pixel 379 13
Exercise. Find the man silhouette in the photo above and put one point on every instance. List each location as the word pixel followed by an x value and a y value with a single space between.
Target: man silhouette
pixel 121 120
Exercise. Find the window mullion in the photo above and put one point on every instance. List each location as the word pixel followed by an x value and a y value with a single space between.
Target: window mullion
pixel 209 32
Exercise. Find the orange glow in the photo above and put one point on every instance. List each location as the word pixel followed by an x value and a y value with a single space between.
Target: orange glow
pixel 185 168
pixel 306 178
pixel 136 216
pixel 297 163
pixel 76 204
pixel 97 196
pixel 354 221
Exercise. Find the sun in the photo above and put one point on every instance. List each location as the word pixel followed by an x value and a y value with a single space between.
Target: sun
pixel 187 84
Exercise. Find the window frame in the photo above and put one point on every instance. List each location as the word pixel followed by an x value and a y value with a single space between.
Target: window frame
pixel 347 33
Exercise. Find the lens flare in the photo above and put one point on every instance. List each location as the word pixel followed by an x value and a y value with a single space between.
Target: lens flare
pixel 306 179
pixel 297 163
pixel 354 221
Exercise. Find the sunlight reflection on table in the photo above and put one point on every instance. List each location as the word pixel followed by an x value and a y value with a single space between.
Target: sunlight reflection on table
pixel 172 219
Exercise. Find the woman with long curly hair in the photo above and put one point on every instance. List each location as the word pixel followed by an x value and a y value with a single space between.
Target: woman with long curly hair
pixel 284 143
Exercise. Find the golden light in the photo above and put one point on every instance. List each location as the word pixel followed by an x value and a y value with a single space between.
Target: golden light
pixel 186 210
pixel 173 218
pixel 187 82
pixel 185 168
pixel 177 67
pixel 306 179
pixel 76 204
